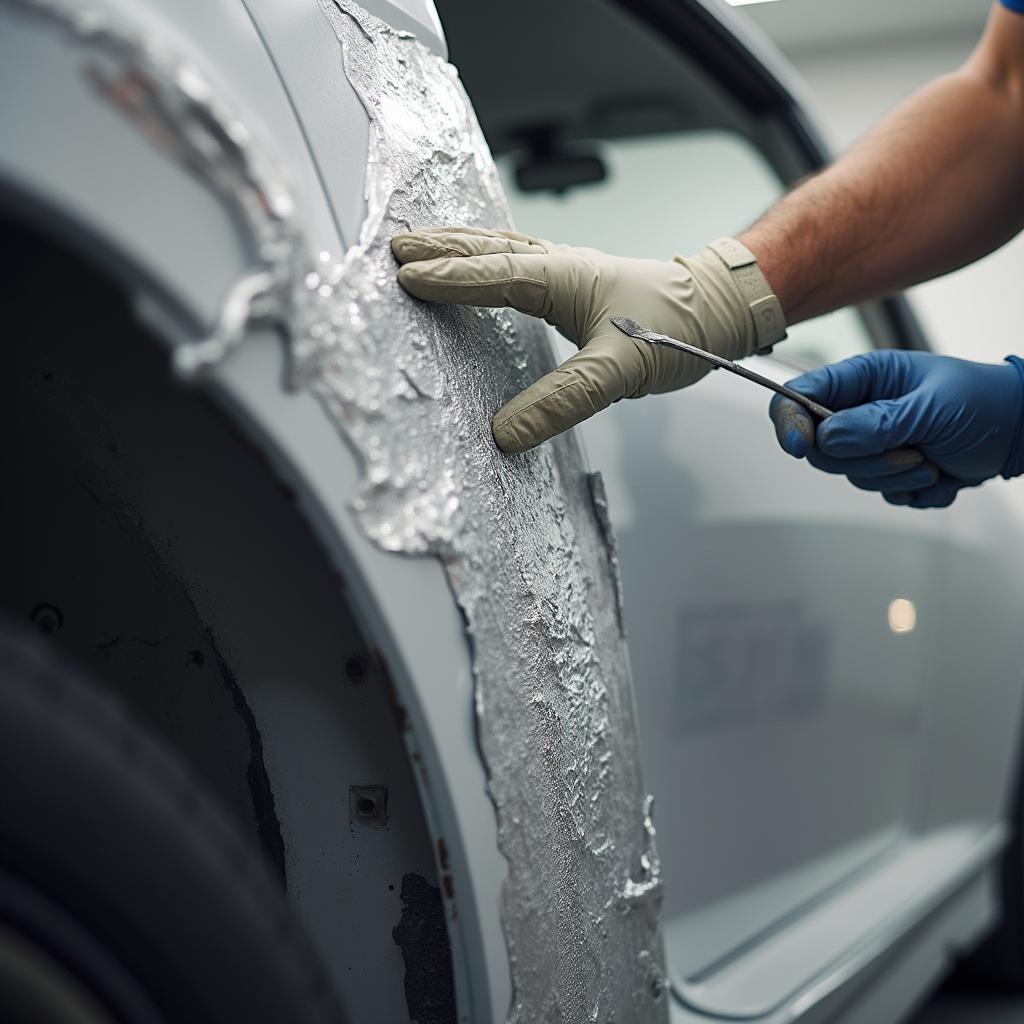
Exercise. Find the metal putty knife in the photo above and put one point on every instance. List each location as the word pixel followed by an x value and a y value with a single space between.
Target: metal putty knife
pixel 629 326
pixel 905 457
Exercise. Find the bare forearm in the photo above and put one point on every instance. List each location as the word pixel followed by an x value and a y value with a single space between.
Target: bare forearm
pixel 936 185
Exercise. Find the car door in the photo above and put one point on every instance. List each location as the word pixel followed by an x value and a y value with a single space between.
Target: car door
pixel 794 641
pixel 778 709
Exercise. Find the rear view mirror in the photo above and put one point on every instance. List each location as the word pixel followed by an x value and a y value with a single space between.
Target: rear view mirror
pixel 548 164
pixel 558 172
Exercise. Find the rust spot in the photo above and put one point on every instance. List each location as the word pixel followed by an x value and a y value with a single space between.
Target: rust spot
pixel 449 886
pixel 442 854
pixel 397 707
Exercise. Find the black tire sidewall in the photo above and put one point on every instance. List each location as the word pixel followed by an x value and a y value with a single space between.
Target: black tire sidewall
pixel 114 829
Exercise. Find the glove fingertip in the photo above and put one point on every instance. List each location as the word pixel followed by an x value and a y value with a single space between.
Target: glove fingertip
pixel 941 494
pixel 407 280
pixel 897 497
pixel 796 443
pixel 551 405
pixel 415 279
pixel 413 247
pixel 506 437
pixel 831 438
pixel 794 428
pixel 509 439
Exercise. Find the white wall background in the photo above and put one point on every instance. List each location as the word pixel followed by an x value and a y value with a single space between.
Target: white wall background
pixel 861 57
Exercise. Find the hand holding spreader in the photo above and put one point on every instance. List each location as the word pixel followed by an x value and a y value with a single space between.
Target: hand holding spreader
pixel 899 471
pixel 966 418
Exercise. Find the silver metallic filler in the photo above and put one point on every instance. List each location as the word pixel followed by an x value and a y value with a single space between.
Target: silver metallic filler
pixel 521 539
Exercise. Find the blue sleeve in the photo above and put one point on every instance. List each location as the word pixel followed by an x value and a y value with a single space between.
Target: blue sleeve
pixel 1014 5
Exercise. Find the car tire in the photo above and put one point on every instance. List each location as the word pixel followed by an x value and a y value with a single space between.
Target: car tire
pixel 122 879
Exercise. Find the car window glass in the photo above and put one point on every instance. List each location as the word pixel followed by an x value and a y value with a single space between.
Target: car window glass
pixel 673 193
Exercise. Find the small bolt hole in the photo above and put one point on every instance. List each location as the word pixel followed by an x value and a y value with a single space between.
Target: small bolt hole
pixel 356 668
pixel 46 618
pixel 368 807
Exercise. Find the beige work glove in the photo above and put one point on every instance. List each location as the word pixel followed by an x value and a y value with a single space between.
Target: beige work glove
pixel 702 300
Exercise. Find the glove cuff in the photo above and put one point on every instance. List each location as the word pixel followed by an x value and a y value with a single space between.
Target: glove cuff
pixel 765 309
pixel 1015 460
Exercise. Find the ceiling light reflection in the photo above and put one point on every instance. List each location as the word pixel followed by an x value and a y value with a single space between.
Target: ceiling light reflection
pixel 902 615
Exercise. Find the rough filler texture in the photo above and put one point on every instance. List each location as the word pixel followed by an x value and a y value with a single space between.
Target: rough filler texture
pixel 413 387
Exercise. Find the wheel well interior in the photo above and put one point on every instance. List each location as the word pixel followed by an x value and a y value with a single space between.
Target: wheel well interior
pixel 153 544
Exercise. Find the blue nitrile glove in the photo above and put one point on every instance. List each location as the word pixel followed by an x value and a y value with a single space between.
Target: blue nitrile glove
pixel 963 421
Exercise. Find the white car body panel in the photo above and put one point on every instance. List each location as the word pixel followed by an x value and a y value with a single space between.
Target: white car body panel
pixel 739 577
pixel 843 761
pixel 433 676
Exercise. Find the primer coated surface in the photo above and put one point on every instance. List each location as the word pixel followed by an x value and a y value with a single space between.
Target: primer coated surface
pixel 523 538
